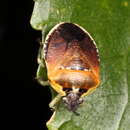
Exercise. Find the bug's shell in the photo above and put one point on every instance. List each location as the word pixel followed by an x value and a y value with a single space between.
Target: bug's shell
pixel 72 59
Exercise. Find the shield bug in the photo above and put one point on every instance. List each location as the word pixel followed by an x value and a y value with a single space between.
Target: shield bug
pixel 72 62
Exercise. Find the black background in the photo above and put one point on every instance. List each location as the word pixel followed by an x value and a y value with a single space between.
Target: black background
pixel 24 102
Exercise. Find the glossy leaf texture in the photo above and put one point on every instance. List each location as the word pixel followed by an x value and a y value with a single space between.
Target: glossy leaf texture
pixel 108 22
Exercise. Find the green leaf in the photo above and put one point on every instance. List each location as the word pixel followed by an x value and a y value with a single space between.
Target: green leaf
pixel 108 21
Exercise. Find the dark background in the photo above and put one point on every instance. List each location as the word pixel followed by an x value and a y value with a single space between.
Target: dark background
pixel 24 102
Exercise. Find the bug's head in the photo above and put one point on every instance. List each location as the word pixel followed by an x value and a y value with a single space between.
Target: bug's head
pixel 72 100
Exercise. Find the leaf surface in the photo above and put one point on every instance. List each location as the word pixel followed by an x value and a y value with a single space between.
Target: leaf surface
pixel 108 22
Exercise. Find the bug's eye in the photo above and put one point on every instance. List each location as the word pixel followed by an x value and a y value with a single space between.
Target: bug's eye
pixel 82 90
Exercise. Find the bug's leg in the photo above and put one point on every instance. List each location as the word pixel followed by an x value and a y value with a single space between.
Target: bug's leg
pixel 41 75
pixel 55 101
